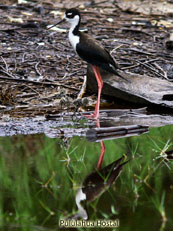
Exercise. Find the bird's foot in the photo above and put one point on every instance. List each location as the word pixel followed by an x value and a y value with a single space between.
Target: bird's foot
pixel 92 116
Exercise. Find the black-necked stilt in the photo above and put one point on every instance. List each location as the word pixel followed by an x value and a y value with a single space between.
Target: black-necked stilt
pixel 97 183
pixel 90 50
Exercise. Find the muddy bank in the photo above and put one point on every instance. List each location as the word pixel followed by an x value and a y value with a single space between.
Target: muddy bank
pixel 39 71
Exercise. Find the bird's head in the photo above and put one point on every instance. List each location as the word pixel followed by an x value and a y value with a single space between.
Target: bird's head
pixel 72 16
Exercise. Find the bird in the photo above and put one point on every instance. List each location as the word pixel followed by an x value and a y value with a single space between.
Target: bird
pixel 95 184
pixel 89 50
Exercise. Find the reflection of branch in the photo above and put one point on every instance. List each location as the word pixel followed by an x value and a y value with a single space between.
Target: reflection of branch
pixel 97 134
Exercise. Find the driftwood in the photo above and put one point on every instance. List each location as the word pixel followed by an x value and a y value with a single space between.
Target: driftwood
pixel 140 89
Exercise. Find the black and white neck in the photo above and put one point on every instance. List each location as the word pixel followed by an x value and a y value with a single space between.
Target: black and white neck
pixel 75 23
pixel 73 17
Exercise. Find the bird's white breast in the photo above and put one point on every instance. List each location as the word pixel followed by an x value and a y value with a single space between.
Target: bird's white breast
pixel 74 39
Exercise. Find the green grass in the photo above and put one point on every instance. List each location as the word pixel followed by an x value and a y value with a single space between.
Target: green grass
pixel 39 177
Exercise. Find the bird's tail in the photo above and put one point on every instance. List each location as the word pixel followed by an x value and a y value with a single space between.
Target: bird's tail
pixel 113 69
pixel 115 72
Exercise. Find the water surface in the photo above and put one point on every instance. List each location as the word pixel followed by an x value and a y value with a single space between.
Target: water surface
pixel 40 178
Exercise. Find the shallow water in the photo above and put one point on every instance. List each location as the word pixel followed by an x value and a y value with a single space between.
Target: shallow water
pixel 40 176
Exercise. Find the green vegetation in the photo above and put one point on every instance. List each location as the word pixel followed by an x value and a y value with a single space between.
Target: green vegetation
pixel 39 177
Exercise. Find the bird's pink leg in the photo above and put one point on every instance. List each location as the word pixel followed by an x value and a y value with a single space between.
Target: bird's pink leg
pixel 95 115
pixel 102 153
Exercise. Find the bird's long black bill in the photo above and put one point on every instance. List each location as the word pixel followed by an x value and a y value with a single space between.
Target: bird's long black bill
pixel 56 24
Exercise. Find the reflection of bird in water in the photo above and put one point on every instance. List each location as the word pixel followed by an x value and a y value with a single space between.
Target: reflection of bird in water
pixel 91 51
pixel 95 184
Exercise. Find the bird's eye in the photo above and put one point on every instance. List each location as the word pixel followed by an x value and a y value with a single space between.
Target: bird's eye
pixel 69 14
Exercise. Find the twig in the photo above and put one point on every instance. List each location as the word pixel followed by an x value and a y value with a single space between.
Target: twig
pixel 35 82
pixel 140 51
pixel 37 71
pixel 83 88
pixel 32 89
pixel 5 72
pixel 116 48
pixel 136 65
pixel 164 72
pixel 6 65
pixel 152 69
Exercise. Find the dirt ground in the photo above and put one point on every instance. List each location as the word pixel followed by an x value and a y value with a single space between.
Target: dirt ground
pixel 39 71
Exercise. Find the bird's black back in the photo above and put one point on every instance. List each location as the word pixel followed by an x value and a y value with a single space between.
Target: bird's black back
pixel 94 53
